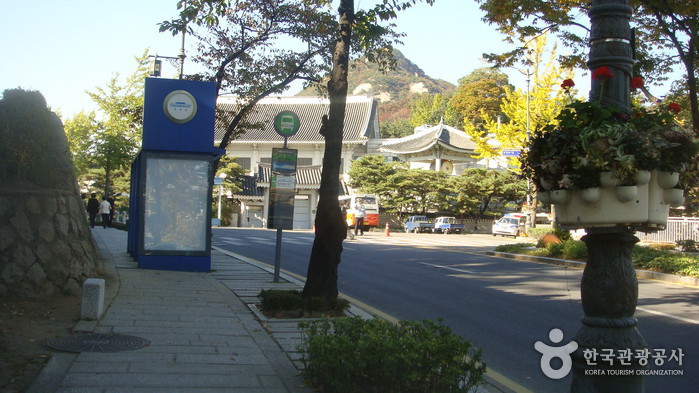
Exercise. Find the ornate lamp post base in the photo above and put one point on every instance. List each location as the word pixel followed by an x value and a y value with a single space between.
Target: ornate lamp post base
pixel 608 342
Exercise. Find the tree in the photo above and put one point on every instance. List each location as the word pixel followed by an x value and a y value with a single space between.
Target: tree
pixel 666 35
pixel 545 101
pixel 485 189
pixel 240 49
pixel 481 91
pixel 105 144
pixel 370 175
pixel 321 279
pixel 434 109
pixel 238 42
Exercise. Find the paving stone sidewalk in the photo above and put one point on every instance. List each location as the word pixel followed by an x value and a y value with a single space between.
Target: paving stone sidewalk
pixel 203 338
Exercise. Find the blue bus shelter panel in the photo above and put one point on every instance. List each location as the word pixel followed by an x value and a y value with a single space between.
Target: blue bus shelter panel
pixel 179 115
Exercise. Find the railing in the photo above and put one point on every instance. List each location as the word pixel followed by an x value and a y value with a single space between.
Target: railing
pixel 678 228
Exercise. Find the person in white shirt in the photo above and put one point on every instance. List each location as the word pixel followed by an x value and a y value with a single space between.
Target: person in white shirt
pixel 105 211
pixel 359 214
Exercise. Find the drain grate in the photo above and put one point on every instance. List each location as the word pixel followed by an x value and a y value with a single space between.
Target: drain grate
pixel 97 343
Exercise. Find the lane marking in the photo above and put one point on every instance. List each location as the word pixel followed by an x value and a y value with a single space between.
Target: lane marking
pixel 649 311
pixel 447 268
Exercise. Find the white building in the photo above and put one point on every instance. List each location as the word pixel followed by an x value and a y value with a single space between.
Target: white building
pixel 253 149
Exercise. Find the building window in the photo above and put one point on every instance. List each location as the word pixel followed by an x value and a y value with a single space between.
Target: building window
pixel 244 162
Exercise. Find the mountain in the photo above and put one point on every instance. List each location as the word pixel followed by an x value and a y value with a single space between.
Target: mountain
pixel 394 89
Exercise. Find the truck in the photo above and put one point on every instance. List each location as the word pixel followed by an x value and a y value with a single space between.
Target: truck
pixel 418 224
pixel 447 225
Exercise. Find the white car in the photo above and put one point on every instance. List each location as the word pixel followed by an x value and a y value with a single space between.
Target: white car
pixel 510 225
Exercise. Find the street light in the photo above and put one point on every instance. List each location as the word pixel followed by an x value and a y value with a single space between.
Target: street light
pixel 220 194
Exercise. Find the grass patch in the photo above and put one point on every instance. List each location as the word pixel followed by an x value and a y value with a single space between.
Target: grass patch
pixel 647 258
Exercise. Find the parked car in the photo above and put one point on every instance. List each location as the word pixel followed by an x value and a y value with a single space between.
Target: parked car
pixel 417 224
pixel 510 225
pixel 447 225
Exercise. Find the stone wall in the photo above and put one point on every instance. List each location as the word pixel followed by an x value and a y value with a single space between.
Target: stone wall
pixel 45 242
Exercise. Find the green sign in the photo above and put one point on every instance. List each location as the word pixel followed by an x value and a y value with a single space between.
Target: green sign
pixel 286 123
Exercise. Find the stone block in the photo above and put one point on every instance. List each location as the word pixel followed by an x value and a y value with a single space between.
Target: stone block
pixel 92 306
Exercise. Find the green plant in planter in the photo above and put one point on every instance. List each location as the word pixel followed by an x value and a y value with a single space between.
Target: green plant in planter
pixel 589 138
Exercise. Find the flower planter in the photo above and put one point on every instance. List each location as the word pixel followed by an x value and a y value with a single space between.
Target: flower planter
pixel 673 197
pixel 626 193
pixel 647 210
pixel 591 195
pixel 561 197
pixel 544 197
pixel 642 177
pixel 668 179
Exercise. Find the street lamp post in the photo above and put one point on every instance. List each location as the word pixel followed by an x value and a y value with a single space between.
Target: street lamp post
pixel 609 289
pixel 220 195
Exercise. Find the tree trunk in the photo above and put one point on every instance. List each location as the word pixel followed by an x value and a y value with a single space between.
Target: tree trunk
pixel 330 226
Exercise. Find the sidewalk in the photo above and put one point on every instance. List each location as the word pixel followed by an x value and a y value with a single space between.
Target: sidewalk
pixel 203 337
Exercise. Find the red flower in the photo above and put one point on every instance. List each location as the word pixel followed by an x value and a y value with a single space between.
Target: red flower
pixel 636 82
pixel 567 84
pixel 674 107
pixel 603 72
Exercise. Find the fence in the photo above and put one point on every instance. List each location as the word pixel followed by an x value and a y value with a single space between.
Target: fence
pixel 678 228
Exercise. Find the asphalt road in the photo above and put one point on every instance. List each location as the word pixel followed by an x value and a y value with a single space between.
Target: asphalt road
pixel 502 306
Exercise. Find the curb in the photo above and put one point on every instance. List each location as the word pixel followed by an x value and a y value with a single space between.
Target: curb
pixel 646 274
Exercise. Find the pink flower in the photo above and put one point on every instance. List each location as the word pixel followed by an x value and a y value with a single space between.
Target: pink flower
pixel 602 73
pixel 636 82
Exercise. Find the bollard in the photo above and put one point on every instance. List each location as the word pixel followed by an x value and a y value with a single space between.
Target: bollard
pixel 92 305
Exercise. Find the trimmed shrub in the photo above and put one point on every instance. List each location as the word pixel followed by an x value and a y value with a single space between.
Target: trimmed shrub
pixel 347 355
pixel 575 250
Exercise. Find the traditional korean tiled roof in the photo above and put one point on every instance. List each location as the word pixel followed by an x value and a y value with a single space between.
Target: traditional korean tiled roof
pixel 359 118
pixel 441 134
pixel 250 189
pixel 307 177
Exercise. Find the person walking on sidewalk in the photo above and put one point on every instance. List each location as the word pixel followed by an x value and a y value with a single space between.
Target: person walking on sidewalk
pixel 105 211
pixel 359 214
pixel 93 207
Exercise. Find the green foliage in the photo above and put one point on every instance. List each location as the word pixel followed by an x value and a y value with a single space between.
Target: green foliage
pixel 105 143
pixel 687 245
pixel 273 300
pixel 516 248
pixel 347 355
pixel 539 232
pixel 33 146
pixel 664 261
pixel 575 250
pixel 481 91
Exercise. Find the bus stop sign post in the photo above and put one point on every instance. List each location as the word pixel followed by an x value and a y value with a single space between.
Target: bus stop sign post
pixel 286 124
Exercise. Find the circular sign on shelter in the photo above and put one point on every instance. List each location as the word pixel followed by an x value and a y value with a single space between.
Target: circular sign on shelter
pixel 180 106
pixel 286 123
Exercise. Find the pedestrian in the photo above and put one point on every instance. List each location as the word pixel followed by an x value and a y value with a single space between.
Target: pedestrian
pixel 359 214
pixel 93 207
pixel 348 221
pixel 105 210
pixel 110 199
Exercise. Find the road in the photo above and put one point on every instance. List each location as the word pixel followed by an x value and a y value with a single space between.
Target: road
pixel 502 306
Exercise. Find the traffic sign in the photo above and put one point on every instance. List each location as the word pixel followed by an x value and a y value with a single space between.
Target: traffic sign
pixel 286 123
pixel 511 153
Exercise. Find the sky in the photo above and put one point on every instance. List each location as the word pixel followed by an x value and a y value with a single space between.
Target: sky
pixel 65 48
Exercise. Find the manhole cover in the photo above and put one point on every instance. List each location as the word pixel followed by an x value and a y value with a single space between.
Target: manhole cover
pixel 97 343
